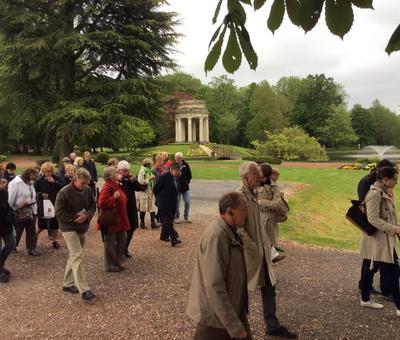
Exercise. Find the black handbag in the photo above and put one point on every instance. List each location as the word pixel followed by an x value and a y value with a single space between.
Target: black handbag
pixel 357 215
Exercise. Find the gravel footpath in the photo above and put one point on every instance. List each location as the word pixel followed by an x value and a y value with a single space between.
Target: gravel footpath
pixel 316 294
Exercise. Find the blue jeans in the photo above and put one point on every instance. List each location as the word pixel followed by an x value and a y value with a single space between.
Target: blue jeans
pixel 9 245
pixel 186 200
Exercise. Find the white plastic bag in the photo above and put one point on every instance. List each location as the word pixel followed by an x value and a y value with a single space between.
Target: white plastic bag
pixel 48 209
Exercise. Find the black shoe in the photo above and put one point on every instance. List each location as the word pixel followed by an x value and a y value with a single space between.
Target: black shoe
pixel 142 225
pixel 375 291
pixel 7 272
pixel 282 332
pixel 127 254
pixel 71 289
pixel 4 278
pixel 15 250
pixel 175 242
pixel 56 245
pixel 165 239
pixel 154 225
pixel 33 253
pixel 88 295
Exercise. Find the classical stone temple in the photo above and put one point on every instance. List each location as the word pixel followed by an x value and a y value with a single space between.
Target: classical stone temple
pixel 191 122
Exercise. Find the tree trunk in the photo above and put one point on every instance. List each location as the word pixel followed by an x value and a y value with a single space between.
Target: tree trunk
pixel 46 142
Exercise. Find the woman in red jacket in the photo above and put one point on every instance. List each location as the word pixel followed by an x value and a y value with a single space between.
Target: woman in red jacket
pixel 114 235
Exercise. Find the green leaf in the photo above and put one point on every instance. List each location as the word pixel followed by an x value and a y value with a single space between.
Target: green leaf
pixel 239 13
pixel 394 42
pixel 339 16
pixel 215 52
pixel 215 35
pixel 276 15
pixel 247 47
pixel 310 13
pixel 258 4
pixel 232 57
pixel 363 3
pixel 293 8
pixel 247 2
pixel 217 9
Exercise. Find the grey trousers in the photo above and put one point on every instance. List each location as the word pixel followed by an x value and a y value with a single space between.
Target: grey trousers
pixel 114 248
pixel 210 333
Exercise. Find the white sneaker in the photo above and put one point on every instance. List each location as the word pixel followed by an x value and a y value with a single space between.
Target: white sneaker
pixel 371 304
pixel 397 312
pixel 187 220
pixel 177 221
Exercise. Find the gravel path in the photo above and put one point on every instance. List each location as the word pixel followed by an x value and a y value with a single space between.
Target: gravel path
pixel 317 290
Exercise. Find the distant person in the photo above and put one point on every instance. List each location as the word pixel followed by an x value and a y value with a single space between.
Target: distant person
pixel 72 157
pixel 114 235
pixel 379 249
pixel 129 185
pixel 47 187
pixel 75 207
pixel 10 172
pixel 275 176
pixel 79 162
pixel 113 162
pixel 166 161
pixel 185 177
pixel 22 199
pixel 273 209
pixel 218 299
pixel 90 166
pixel 146 197
pixel 257 248
pixel 166 190
pixel 363 187
pixel 69 174
pixel 7 232
pixel 159 168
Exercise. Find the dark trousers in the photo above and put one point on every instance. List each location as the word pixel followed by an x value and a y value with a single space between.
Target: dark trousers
pixel 29 227
pixel 391 273
pixel 167 221
pixel 384 272
pixel 114 248
pixel 268 296
pixel 129 235
pixel 9 245
pixel 211 333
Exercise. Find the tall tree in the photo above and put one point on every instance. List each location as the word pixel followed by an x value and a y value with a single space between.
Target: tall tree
pixel 387 125
pixel 363 123
pixel 85 60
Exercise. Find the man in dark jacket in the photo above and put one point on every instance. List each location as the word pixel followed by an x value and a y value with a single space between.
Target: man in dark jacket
pixel 7 233
pixel 362 189
pixel 75 207
pixel 185 177
pixel 129 185
pixel 90 166
pixel 166 190
pixel 10 172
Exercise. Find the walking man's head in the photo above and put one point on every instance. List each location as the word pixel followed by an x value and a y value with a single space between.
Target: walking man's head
pixel 81 179
pixel 250 175
pixel 86 156
pixel 233 209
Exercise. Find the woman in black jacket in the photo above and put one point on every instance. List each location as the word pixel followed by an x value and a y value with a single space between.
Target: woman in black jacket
pixel 47 187
pixel 129 185
pixel 7 233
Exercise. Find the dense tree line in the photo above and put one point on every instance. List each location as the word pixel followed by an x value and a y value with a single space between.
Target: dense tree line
pixel 316 104
pixel 82 72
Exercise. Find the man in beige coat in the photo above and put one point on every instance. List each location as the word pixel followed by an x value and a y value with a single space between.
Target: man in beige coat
pixel 257 251
pixel 218 299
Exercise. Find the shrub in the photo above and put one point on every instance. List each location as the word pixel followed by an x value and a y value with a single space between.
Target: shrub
pixel 3 158
pixel 269 160
pixel 291 144
pixel 102 157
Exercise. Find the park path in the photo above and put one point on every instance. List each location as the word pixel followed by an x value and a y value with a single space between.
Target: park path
pixel 316 292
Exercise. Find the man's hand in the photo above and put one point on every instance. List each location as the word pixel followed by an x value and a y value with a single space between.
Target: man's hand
pixel 3 184
pixel 242 335
pixel 397 229
pixel 81 218
pixel 45 196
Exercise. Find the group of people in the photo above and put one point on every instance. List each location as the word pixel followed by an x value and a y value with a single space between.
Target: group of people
pixel 235 256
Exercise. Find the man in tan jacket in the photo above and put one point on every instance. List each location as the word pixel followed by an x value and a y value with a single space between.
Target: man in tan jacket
pixel 218 299
pixel 257 251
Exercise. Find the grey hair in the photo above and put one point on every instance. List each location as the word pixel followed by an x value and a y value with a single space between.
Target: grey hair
pixel 245 168
pixel 82 174
pixel 109 172
pixel 179 154
pixel 230 200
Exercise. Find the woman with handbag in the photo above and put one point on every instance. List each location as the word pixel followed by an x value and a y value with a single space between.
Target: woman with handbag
pixel 7 233
pixel 378 249
pixel 22 199
pixel 47 187
pixel 113 220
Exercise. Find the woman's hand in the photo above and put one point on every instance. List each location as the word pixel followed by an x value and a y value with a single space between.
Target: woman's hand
pixel 116 194
pixel 45 196
pixel 397 229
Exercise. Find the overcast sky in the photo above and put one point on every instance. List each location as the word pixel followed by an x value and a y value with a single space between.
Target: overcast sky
pixel 359 62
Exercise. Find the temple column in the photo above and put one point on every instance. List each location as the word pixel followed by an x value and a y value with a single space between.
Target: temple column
pixel 201 129
pixel 190 138
pixel 194 129
pixel 176 130
pixel 207 130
